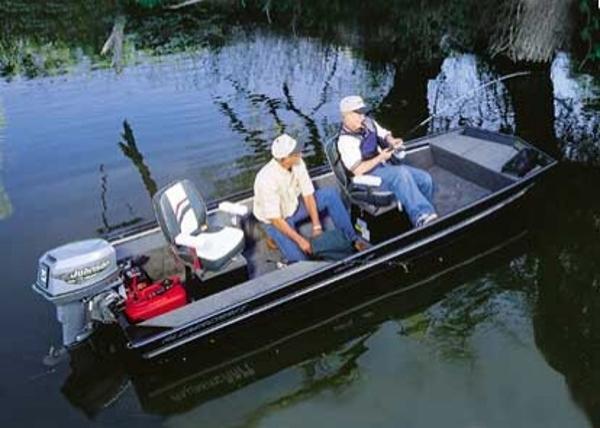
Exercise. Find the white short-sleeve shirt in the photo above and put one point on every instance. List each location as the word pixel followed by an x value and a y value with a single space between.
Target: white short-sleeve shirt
pixel 276 190
pixel 349 145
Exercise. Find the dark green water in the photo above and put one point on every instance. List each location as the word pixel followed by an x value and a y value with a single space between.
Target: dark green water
pixel 83 146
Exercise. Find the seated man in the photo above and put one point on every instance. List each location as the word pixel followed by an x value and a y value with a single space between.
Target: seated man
pixel 365 148
pixel 277 203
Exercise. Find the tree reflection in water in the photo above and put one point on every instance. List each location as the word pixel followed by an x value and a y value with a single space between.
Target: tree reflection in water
pixel 5 205
pixel 267 84
pixel 567 309
pixel 454 99
pixel 107 226
pixel 130 149
pixel 576 103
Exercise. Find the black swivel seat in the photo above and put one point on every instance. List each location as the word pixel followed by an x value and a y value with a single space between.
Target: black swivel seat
pixel 374 210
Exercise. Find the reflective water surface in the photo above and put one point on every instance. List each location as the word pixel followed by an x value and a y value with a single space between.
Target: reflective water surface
pixel 510 340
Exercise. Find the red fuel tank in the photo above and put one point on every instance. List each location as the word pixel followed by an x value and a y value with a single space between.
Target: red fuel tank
pixel 147 301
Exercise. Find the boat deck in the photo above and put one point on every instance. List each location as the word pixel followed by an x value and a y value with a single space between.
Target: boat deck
pixel 231 297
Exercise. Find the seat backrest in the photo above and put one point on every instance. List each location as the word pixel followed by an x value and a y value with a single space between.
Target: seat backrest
pixel 179 208
pixel 335 161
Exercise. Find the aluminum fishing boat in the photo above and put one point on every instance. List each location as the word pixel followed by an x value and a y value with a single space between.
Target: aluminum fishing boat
pixel 232 276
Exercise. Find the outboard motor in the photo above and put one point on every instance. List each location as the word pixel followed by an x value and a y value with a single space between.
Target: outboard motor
pixel 82 279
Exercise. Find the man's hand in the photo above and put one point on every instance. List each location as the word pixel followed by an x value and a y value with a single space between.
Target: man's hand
pixel 385 155
pixel 317 230
pixel 396 143
pixel 304 245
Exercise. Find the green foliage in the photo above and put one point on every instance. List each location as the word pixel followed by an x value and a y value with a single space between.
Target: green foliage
pixel 44 38
pixel 149 3
pixel 27 58
pixel 40 38
pixel 590 32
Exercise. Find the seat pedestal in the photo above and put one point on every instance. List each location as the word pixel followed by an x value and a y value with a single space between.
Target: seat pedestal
pixel 233 273
pixel 379 226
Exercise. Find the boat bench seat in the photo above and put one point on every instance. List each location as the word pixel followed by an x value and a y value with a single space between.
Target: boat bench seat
pixel 475 158
pixel 492 155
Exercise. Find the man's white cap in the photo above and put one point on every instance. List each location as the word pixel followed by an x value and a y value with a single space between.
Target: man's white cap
pixel 284 146
pixel 352 103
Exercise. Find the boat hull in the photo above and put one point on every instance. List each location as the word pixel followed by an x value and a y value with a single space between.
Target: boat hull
pixel 414 255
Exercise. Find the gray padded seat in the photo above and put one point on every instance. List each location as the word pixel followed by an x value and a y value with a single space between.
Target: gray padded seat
pixel 181 214
pixel 371 199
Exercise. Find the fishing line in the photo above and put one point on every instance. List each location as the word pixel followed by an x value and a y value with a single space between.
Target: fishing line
pixel 467 95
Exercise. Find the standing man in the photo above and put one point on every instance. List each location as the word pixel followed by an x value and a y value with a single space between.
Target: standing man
pixel 365 148
pixel 284 196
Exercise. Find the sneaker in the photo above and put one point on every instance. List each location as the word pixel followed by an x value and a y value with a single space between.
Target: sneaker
pixel 425 219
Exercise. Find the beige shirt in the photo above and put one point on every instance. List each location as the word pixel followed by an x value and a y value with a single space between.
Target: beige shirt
pixel 276 190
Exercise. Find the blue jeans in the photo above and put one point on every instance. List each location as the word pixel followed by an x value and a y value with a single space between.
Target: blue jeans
pixel 328 199
pixel 413 187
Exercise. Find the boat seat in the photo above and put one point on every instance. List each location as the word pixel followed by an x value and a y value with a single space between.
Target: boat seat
pixel 182 215
pixel 363 191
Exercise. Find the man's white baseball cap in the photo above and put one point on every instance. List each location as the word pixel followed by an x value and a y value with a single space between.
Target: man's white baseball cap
pixel 284 146
pixel 353 103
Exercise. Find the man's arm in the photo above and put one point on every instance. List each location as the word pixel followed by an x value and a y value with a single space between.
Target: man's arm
pixel 387 136
pixel 282 225
pixel 365 166
pixel 311 207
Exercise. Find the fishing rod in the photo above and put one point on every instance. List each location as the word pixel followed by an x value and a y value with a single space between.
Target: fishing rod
pixel 467 95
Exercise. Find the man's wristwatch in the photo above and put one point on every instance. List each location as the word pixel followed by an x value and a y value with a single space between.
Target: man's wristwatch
pixel 317 227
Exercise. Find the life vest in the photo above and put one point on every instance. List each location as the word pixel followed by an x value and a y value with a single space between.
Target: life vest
pixel 369 141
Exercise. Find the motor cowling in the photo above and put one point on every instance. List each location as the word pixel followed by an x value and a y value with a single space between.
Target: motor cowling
pixel 82 280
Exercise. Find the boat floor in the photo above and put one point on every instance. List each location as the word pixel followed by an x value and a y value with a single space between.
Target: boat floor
pixel 453 192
